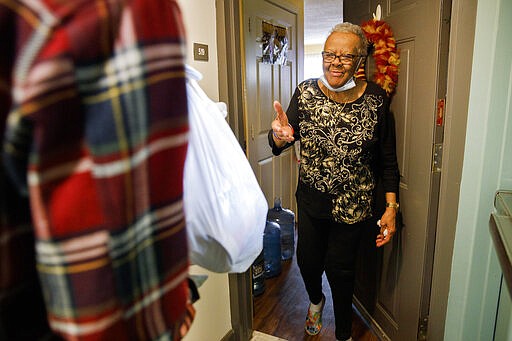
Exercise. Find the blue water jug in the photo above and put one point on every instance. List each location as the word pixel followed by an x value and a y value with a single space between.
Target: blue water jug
pixel 272 249
pixel 286 220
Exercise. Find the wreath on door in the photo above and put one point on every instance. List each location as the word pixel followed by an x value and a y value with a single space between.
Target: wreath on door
pixel 382 42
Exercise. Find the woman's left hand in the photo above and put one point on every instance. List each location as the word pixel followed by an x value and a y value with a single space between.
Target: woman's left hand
pixel 387 227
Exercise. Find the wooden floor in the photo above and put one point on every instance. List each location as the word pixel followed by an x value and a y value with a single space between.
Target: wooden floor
pixel 281 309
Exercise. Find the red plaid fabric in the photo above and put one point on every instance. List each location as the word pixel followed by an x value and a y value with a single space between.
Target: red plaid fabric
pixel 93 114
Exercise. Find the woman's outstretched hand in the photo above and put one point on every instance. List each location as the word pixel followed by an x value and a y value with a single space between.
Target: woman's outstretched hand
pixel 282 130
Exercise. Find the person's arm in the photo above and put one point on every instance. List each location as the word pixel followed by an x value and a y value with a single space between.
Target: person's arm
pixel 284 129
pixel 388 220
pixel 390 176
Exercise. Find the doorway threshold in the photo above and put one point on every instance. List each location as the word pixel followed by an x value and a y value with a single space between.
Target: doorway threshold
pixel 259 336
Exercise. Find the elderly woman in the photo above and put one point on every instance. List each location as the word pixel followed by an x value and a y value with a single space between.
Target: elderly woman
pixel 347 145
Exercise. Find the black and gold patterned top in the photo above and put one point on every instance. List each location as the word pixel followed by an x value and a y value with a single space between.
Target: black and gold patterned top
pixel 344 148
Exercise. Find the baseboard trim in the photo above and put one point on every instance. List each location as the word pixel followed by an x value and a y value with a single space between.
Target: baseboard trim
pixel 368 319
pixel 230 336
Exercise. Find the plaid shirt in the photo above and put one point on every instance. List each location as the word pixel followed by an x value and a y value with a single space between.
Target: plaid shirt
pixel 93 115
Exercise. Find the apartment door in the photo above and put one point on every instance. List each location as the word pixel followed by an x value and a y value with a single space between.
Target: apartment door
pixel 271 73
pixel 402 291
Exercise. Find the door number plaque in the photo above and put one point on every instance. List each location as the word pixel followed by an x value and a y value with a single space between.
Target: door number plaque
pixel 200 52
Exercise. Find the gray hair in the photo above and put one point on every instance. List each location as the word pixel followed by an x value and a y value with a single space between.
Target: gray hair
pixel 347 27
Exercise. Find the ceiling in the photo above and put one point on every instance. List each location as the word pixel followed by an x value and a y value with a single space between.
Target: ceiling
pixel 319 17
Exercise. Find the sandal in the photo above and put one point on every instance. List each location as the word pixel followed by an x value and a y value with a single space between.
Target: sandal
pixel 314 320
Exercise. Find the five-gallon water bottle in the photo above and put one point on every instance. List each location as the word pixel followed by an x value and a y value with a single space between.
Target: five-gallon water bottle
pixel 272 249
pixel 258 279
pixel 286 220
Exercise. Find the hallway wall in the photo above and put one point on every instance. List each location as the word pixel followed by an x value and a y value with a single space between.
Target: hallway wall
pixel 476 274
pixel 200 24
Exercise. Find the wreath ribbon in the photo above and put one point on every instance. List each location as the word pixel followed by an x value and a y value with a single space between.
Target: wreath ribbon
pixel 385 54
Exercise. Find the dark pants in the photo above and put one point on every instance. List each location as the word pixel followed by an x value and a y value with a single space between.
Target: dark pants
pixel 324 245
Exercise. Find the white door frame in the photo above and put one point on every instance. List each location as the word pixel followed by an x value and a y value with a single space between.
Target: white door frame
pixel 230 50
pixel 462 27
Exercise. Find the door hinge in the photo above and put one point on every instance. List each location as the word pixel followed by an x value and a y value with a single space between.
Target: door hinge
pixel 249 25
pixel 423 328
pixel 252 132
pixel 437 157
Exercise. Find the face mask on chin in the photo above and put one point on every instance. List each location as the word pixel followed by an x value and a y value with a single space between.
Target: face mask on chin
pixel 348 85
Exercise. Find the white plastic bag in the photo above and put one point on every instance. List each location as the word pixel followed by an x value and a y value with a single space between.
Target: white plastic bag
pixel 224 205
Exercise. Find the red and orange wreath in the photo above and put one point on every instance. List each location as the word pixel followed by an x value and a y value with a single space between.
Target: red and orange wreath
pixel 385 54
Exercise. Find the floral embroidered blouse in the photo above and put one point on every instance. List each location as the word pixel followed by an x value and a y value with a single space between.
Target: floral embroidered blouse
pixel 344 149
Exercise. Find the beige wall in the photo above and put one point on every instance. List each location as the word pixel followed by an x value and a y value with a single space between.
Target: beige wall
pixel 200 24
pixel 213 319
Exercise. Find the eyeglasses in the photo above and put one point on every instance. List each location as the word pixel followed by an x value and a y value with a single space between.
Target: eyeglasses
pixel 346 58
